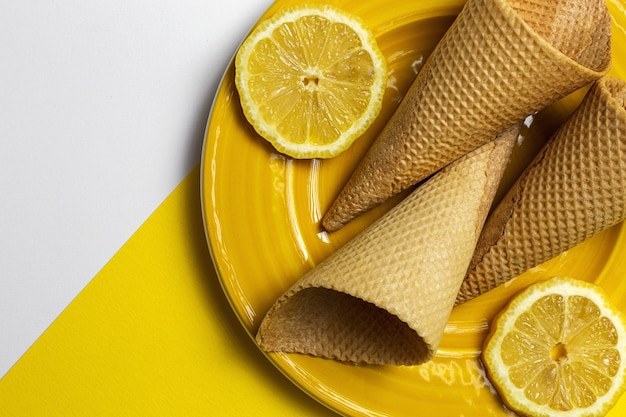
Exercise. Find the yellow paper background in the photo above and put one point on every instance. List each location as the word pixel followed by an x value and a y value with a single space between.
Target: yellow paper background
pixel 152 335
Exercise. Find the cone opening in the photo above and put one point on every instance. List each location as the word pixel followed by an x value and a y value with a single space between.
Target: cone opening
pixel 580 29
pixel 335 325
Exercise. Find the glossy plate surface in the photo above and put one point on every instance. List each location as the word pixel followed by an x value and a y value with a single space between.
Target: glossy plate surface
pixel 262 213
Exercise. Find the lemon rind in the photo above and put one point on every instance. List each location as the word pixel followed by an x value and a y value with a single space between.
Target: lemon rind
pixel 497 371
pixel 360 125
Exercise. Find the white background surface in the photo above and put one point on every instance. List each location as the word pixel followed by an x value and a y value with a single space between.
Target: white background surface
pixel 103 106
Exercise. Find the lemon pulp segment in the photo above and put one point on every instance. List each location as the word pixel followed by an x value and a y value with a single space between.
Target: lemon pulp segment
pixel 311 80
pixel 557 348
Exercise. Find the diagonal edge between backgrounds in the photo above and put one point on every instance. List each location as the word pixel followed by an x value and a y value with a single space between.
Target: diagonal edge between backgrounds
pixel 152 334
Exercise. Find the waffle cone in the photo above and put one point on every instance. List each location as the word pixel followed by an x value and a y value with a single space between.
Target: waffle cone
pixel 499 62
pixel 385 296
pixel 573 189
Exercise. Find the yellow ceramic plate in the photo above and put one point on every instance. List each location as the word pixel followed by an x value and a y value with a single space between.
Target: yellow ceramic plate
pixel 262 213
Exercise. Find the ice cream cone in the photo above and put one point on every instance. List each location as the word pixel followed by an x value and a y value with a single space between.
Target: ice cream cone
pixel 573 189
pixel 385 296
pixel 499 62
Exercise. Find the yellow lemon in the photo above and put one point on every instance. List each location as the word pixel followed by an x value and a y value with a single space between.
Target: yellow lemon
pixel 558 349
pixel 311 80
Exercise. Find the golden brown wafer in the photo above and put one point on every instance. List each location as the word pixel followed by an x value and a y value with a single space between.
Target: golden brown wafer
pixel 499 62
pixel 385 296
pixel 573 189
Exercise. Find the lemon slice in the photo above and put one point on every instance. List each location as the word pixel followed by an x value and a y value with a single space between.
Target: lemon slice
pixel 311 80
pixel 558 350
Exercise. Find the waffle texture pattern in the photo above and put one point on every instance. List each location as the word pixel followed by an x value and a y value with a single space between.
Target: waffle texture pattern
pixel 574 189
pixel 498 63
pixel 385 296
